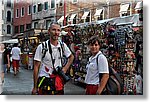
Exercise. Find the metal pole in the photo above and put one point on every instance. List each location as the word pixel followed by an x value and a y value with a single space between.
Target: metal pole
pixel 108 4
pixel 64 12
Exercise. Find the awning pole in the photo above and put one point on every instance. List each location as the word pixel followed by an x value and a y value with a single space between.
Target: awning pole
pixel 64 12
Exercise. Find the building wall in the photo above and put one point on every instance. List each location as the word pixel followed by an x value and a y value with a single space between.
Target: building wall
pixel 114 10
pixel 111 9
pixel 5 9
pixel 1 19
pixel 44 16
pixel 26 19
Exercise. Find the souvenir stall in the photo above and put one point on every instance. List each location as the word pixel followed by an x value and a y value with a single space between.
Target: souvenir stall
pixel 121 46
pixel 125 47
pixel 28 43
pixel 84 32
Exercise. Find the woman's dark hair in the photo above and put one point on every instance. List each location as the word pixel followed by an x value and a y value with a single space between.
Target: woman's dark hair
pixel 93 40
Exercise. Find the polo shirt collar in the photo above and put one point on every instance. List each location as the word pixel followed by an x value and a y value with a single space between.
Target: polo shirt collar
pixel 92 58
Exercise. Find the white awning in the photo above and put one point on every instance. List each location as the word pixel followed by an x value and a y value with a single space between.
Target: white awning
pixel 139 5
pixel 61 19
pixel 85 15
pixel 63 32
pixel 10 41
pixel 73 16
pixel 124 8
pixel 98 12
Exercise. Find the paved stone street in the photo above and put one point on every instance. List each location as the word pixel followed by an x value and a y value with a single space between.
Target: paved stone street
pixel 22 84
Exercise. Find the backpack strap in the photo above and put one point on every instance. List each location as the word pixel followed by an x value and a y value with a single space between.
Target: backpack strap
pixel 97 59
pixel 44 49
pixel 61 55
pixel 62 46
pixel 100 74
pixel 50 51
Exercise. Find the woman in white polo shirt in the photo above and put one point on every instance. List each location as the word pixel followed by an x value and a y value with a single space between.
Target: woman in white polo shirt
pixel 97 70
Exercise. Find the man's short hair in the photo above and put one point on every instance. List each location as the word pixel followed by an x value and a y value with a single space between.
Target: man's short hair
pixel 54 23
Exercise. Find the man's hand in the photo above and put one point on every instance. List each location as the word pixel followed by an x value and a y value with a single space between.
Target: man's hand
pixel 64 69
pixel 34 91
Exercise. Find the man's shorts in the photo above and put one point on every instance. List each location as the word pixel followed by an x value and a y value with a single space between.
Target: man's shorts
pixel 15 63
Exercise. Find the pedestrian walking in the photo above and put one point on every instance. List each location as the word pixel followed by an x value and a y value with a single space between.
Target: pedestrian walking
pixel 49 71
pixel 97 68
pixel 15 53
pixel 5 60
pixel 1 69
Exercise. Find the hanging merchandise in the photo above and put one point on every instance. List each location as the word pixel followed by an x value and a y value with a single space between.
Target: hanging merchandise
pixel 84 32
pixel 119 44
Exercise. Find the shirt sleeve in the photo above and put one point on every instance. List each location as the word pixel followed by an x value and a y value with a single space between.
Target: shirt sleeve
pixel 38 53
pixel 67 51
pixel 19 51
pixel 103 64
pixel 11 51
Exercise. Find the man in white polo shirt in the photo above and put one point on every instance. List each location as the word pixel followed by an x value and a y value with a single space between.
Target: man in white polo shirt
pixel 49 60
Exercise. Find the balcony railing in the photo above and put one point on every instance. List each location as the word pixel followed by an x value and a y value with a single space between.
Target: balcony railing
pixel 44 14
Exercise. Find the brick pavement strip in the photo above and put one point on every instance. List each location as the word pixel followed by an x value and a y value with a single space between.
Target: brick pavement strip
pixel 22 84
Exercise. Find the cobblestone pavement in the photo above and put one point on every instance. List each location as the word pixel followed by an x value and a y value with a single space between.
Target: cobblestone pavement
pixel 22 84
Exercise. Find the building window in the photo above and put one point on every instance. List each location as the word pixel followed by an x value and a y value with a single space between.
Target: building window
pixel 61 3
pixel 74 20
pixel 17 1
pixel 124 9
pixel 28 26
pixel 48 23
pixel 124 14
pixel 40 6
pixel 140 15
pixel 2 2
pixel 16 29
pixel 21 28
pixel 3 15
pixel 34 9
pixel 8 3
pixel 74 1
pixel 36 25
pixel 22 11
pixel 8 16
pixel 3 29
pixel 8 29
pixel 29 9
pixel 100 17
pixel 52 3
pixel 87 18
pixel 45 5
pixel 17 13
